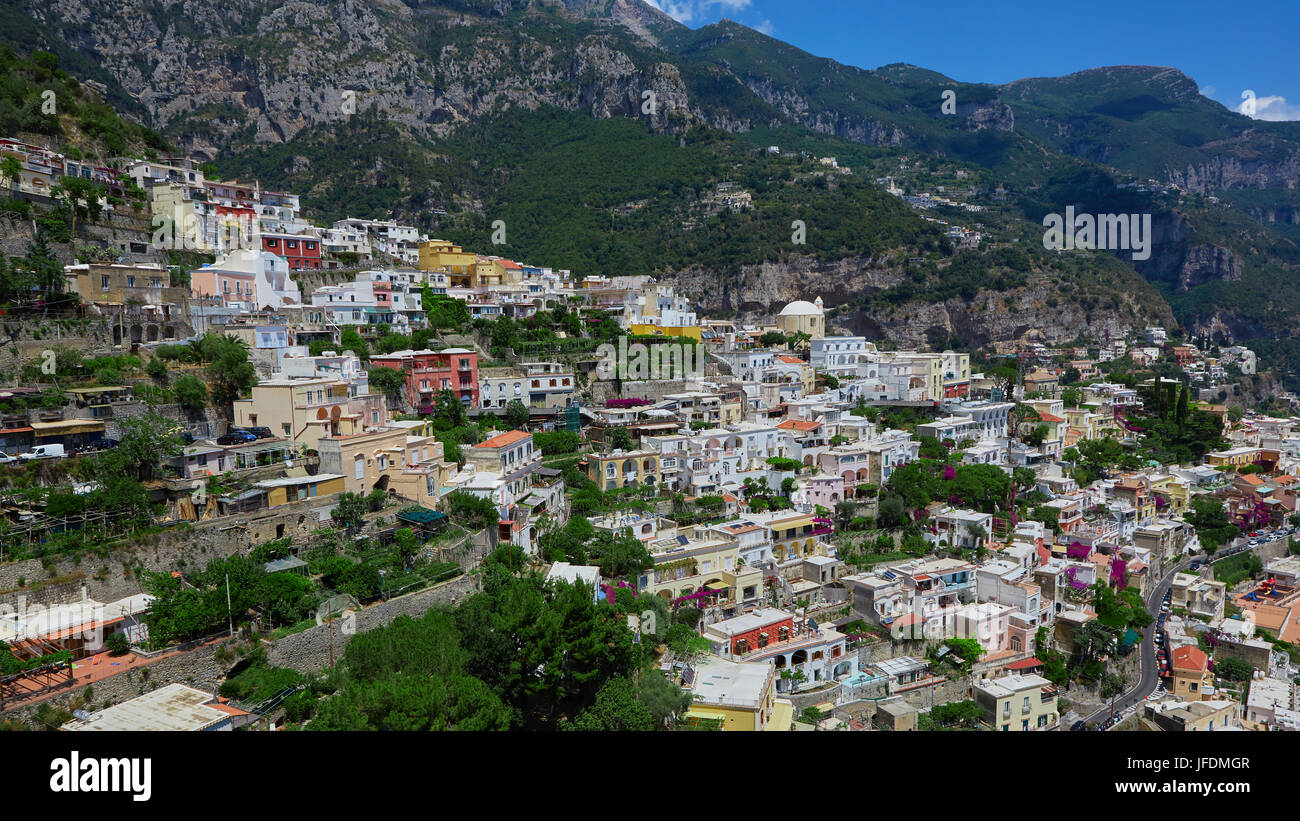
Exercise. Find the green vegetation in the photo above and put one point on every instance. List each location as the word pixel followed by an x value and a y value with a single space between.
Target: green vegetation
pixel 1237 568
pixel 519 655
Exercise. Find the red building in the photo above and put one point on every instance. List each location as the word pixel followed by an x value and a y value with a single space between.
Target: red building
pixel 428 372
pixel 301 251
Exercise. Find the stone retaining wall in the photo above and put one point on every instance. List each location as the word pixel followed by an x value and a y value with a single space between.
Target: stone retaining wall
pixel 309 651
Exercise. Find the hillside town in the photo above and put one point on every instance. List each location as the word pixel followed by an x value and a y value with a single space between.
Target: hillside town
pixel 236 465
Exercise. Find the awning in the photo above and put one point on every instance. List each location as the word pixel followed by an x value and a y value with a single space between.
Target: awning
pixel 717 585
pixel 67 426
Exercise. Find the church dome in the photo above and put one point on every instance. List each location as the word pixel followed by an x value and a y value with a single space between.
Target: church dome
pixel 801 308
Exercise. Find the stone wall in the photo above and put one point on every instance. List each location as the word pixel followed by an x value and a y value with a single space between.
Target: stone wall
pixel 186 545
pixel 309 651
pixel 197 668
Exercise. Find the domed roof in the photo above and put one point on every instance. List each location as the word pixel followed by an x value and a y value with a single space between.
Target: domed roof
pixel 801 308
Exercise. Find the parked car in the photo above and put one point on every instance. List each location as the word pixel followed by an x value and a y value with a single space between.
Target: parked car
pixel 236 437
pixel 44 452
pixel 98 445
pixel 1078 726
pixel 258 431
pixel 6 458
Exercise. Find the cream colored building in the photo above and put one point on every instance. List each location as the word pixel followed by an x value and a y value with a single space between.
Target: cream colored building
pixel 305 410
pixel 1018 703
pixel 387 459
pixel 803 317
pixel 737 697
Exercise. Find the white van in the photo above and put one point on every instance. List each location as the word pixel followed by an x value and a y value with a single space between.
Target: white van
pixel 44 452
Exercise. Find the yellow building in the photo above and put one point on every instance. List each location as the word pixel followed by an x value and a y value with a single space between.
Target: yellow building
pixel 1018 703
pixel 292 489
pixel 737 697
pixel 1176 492
pixel 1235 457
pixel 459 266
pixel 795 536
pixel 626 469
pixel 686 332
pixel 305 410
pixel 687 563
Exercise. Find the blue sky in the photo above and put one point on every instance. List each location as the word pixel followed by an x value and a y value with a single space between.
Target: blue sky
pixel 1227 47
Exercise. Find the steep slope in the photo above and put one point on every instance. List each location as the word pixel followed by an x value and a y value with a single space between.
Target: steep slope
pixel 452 113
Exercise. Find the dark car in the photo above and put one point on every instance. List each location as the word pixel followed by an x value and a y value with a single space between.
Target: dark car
pixel 1078 726
pixel 236 437
pixel 257 431
pixel 98 445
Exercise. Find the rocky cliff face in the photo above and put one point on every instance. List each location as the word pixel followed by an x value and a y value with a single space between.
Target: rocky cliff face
pixel 216 73
pixel 1232 172
pixel 1039 311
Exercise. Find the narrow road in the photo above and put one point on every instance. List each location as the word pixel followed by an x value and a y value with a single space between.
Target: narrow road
pixel 1149 677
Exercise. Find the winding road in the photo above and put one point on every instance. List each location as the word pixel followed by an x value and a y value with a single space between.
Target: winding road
pixel 1149 678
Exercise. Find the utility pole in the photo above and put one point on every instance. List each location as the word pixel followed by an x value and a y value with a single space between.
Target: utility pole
pixel 230 614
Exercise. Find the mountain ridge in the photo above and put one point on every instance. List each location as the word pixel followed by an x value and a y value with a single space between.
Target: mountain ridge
pixel 240 81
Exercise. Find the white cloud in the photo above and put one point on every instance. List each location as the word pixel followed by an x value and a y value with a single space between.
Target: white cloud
pixel 686 11
pixel 1207 91
pixel 1273 108
pixel 766 27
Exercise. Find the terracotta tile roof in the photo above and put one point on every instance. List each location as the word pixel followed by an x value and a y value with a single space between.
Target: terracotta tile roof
pixel 793 360
pixel 506 439
pixel 1025 664
pixel 1048 417
pixel 799 424
pixel 1191 658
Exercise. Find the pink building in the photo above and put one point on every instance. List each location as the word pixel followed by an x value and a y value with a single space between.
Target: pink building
pixel 231 286
pixel 826 491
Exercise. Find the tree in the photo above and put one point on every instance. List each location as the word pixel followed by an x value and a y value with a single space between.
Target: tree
pixel 617 708
pixel 391 382
pixel 665 701
pixel 190 392
pixel 146 440
pixel 1234 669
pixel 844 513
pixel 473 512
pixel 351 510
pixel 1036 436
pixel 351 340
pixel 11 170
pixel 891 514
pixel 517 415
pixel 618 439
pixel 157 369
pixel 771 339
pixel 448 410
pixel 1112 685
